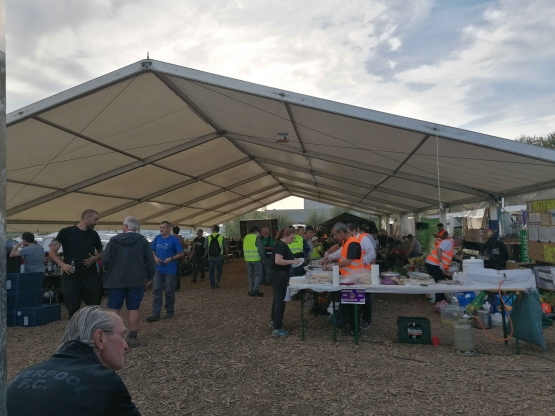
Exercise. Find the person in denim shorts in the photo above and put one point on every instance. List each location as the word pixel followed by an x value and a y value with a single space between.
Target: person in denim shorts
pixel 129 265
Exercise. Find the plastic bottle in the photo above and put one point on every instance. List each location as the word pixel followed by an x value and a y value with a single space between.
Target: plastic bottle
pixel 432 297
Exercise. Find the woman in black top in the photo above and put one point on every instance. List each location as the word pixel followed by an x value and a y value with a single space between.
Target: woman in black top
pixel 281 262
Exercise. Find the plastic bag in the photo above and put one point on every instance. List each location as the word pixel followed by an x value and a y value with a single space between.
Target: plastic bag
pixel 527 317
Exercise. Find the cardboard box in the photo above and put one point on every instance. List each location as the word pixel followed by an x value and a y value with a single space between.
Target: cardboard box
pixel 545 277
pixel 511 265
pixel 476 235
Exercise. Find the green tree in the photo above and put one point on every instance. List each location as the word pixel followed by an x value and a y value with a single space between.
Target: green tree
pixel 283 220
pixel 547 141
pixel 316 218
pixel 335 211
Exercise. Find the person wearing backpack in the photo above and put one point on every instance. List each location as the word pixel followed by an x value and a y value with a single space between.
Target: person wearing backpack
pixel 214 246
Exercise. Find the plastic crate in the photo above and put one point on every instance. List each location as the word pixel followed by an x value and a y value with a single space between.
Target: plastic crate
pixel 39 315
pixel 11 317
pixel 414 330
pixel 16 282
pixel 23 298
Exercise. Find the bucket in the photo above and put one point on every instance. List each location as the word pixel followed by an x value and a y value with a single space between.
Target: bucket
pixel 472 264
pixel 481 319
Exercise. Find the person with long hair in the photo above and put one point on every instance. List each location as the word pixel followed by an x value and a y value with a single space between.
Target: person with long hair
pixel 280 265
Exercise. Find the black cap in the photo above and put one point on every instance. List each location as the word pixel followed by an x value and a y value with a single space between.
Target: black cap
pixel 309 228
pixel 254 229
pixel 409 236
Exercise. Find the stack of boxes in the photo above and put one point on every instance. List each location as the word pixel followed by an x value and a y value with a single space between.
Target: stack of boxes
pixel 25 308
pixel 476 235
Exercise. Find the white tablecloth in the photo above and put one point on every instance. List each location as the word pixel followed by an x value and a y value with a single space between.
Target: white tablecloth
pixel 406 289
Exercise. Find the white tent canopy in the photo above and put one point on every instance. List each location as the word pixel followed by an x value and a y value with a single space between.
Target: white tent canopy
pixel 164 142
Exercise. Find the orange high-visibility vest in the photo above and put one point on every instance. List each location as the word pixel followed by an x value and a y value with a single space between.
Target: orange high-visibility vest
pixel 359 240
pixel 355 263
pixel 446 256
pixel 438 238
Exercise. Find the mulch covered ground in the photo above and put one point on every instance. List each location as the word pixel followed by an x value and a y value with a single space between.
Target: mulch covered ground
pixel 216 357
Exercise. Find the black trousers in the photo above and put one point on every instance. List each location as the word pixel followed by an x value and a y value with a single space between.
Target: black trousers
pixel 75 289
pixel 279 280
pixel 437 274
pixel 198 266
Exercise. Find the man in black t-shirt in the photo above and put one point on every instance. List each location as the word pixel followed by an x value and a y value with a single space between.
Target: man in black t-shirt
pixel 82 248
pixel 198 256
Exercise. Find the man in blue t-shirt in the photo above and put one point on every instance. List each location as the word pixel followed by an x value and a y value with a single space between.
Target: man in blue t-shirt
pixel 167 251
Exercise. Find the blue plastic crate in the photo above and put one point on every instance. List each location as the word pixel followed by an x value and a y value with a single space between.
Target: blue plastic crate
pixel 39 315
pixel 23 298
pixel 11 317
pixel 16 282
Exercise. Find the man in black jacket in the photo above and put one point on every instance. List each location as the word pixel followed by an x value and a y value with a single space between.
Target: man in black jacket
pixel 129 265
pixel 79 379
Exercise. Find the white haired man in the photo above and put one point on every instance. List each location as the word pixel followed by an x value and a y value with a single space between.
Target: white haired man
pixel 129 265
pixel 80 378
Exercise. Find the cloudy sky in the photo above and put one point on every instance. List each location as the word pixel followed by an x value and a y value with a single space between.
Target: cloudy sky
pixel 486 66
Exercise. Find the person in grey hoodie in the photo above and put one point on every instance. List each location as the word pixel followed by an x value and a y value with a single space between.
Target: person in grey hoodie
pixel 129 265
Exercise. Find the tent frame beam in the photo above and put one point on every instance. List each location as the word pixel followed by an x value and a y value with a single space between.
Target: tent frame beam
pixel 347 192
pixel 345 180
pixel 203 197
pixel 330 197
pixel 179 185
pixel 115 172
pixel 359 165
pixel 262 204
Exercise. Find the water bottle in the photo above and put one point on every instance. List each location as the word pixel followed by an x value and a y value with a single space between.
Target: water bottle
pixel 432 297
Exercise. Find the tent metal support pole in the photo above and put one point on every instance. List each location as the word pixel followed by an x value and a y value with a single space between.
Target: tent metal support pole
pixel 345 180
pixel 115 172
pixel 359 165
pixel 203 197
pixel 3 170
pixel 176 186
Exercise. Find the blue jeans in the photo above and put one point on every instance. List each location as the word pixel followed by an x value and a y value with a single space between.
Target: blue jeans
pixel 254 269
pixel 218 265
pixel 163 282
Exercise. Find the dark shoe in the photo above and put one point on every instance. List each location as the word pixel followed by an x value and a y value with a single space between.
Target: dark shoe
pixel 365 325
pixel 251 293
pixel 258 293
pixel 212 287
pixel 217 284
pixel 132 342
pixel 153 318
pixel 168 316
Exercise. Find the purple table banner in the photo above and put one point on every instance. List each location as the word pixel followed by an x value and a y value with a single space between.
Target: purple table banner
pixel 353 296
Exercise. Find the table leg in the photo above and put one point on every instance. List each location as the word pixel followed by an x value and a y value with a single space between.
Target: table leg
pixel 502 306
pixel 517 346
pixel 302 314
pixel 357 323
pixel 334 321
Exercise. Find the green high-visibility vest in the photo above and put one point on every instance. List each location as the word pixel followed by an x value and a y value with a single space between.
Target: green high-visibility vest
pixel 297 245
pixel 220 242
pixel 250 251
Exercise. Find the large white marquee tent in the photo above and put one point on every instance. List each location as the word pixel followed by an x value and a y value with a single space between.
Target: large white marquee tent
pixel 164 142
